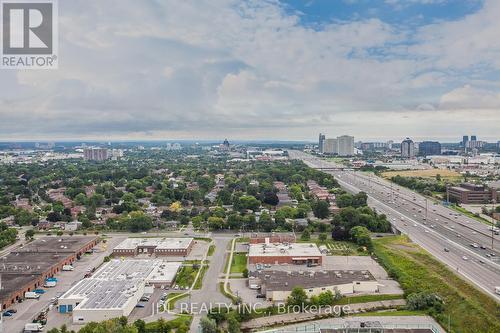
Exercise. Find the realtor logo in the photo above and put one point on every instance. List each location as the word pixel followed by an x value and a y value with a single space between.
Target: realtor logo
pixel 29 34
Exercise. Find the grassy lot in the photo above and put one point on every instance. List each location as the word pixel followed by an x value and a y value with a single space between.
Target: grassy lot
pixel 239 262
pixel 340 248
pixel 211 250
pixel 367 298
pixel 170 304
pixel 469 214
pixel 231 297
pixel 243 240
pixel 199 282
pixel 468 309
pixel 185 277
pixel 391 313
pixel 181 323
pixel 449 175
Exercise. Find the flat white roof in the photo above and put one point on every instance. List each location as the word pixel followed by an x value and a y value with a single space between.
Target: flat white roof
pixel 291 249
pixel 116 281
pixel 159 243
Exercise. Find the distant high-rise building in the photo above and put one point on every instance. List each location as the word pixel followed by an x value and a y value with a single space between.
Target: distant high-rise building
pixel 321 142
pixel 330 146
pixel 342 145
pixel 427 148
pixel 346 145
pixel 95 154
pixel 473 138
pixel 465 139
pixel 407 148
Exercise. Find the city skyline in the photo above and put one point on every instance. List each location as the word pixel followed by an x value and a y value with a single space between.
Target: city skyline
pixel 285 70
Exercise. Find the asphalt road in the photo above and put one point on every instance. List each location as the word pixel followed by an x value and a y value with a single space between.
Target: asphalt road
pixel 429 224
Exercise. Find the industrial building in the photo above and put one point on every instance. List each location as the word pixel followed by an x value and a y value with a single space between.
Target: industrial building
pixel 285 253
pixel 27 268
pixel 116 288
pixel 262 237
pixel 472 194
pixel 157 246
pixel 278 285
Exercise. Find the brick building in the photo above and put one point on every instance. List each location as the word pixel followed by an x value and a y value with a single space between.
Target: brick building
pixel 156 246
pixel 472 194
pixel 259 238
pixel 26 269
pixel 285 253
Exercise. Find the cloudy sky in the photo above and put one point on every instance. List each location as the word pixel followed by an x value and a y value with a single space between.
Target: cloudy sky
pixel 375 69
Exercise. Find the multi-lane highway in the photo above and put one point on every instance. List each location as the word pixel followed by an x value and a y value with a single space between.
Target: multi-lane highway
pixel 467 246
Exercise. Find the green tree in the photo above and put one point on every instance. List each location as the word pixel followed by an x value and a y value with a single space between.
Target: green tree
pixel 306 235
pixel 298 297
pixel 208 325
pixel 322 237
pixel 140 325
pixel 29 234
pixel 321 209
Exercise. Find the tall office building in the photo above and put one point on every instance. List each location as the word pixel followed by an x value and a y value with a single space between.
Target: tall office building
pixel 427 148
pixel 407 148
pixel 465 139
pixel 473 138
pixel 345 145
pixel 321 143
pixel 95 154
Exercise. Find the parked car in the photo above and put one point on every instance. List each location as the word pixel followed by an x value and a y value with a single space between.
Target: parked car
pixel 39 291
pixel 7 314
pixel 139 305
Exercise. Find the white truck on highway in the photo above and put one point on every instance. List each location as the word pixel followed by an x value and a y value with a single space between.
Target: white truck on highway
pixel 33 327
pixel 497 290
pixel 67 268
pixel 31 294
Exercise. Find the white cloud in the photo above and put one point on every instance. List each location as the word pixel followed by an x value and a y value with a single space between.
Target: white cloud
pixel 182 69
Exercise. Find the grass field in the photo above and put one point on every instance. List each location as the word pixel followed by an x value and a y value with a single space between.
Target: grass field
pixel 467 308
pixel 170 303
pixel 199 282
pixel 211 250
pixel 339 248
pixel 185 277
pixel 239 262
pixel 431 173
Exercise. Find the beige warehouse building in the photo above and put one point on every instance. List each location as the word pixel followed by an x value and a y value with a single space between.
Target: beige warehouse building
pixel 278 285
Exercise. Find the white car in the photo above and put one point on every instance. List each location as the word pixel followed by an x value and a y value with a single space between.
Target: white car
pixel 465 258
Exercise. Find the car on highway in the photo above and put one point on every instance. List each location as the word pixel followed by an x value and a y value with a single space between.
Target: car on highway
pixel 465 258
pixel 483 247
pixel 446 249
pixel 474 245
pixel 414 224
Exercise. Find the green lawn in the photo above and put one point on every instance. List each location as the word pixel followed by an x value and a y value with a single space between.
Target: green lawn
pixel 469 309
pixel 185 277
pixel 239 262
pixel 171 303
pixel 470 214
pixel 181 323
pixel 367 298
pixel 199 282
pixel 339 248
pixel 211 250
